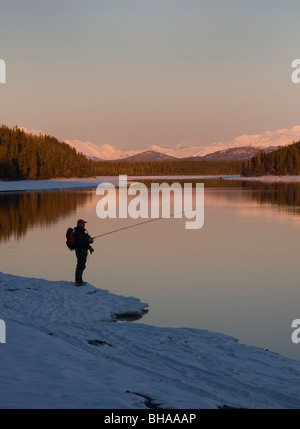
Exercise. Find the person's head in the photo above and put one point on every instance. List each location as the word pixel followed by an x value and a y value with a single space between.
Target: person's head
pixel 81 223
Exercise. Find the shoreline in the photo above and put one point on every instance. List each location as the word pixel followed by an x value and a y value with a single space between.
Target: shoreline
pixel 91 183
pixel 64 350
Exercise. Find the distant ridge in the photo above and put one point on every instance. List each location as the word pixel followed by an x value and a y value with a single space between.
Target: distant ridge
pixel 233 154
pixel 241 148
pixel 150 156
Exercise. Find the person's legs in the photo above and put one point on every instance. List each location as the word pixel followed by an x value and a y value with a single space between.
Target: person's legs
pixel 81 255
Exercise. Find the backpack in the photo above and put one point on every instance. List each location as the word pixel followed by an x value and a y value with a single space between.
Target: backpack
pixel 71 244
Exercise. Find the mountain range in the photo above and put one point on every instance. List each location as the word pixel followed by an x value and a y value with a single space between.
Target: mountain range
pixel 240 148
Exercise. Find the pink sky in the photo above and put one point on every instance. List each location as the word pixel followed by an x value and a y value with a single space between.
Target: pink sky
pixel 134 74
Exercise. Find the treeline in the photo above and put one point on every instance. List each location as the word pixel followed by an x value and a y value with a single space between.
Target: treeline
pixel 25 156
pixel 19 211
pixel 169 168
pixel 283 161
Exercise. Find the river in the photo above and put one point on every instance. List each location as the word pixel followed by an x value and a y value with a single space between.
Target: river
pixel 238 274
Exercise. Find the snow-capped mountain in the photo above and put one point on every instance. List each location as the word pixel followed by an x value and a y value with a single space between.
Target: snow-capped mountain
pixel 233 154
pixel 150 155
pixel 274 139
pixel 280 137
pixel 92 150
pixel 31 131
pixel 181 150
pixel 89 149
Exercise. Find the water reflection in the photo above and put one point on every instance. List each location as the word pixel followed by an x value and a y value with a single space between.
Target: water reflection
pixel 237 275
pixel 21 210
pixel 280 194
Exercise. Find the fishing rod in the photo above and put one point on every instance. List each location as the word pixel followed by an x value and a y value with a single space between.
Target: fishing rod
pixel 126 227
pixel 138 224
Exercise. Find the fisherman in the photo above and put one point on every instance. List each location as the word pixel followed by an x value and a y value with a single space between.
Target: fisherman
pixel 83 244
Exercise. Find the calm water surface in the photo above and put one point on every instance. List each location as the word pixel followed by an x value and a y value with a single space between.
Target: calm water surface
pixel 238 275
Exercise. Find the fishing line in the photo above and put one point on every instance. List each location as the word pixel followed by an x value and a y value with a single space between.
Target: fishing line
pixel 141 223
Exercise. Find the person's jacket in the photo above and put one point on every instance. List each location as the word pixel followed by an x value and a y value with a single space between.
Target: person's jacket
pixel 81 238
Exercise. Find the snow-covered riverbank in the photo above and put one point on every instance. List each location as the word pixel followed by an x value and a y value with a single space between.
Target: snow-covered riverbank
pixel 64 349
pixel 53 184
pixel 76 183
pixel 67 348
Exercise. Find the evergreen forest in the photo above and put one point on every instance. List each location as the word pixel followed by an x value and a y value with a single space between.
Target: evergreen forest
pixel 283 161
pixel 25 156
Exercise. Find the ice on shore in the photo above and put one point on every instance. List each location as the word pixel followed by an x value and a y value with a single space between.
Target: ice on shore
pixel 82 183
pixel 65 349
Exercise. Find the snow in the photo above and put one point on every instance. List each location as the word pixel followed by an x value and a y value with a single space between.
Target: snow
pixel 69 347
pixel 65 348
pixel 104 152
pixel 32 131
pixel 274 138
pixel 54 184
pixel 60 184
pixel 272 179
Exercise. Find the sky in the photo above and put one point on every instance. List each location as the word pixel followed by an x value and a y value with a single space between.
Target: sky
pixel 135 73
